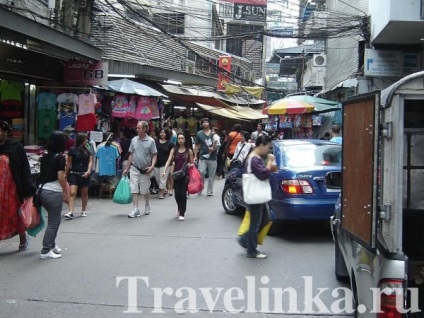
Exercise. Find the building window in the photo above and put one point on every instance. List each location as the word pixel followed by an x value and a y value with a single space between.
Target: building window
pixel 171 22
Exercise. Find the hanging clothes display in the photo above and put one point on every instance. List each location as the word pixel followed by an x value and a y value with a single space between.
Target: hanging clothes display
pixel 143 110
pixel 67 102
pixel 86 103
pixel 107 159
pixel 86 122
pixel 11 104
pixel 120 106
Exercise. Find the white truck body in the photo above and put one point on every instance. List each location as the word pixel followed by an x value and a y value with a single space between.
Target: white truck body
pixel 378 225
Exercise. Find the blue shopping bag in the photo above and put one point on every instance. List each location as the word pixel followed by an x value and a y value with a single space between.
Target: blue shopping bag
pixel 122 193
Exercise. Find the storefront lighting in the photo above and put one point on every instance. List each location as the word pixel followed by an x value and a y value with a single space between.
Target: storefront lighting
pixel 121 75
pixel 26 84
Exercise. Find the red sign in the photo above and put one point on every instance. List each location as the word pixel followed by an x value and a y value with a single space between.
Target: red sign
pixel 223 80
pixel 78 73
pixel 224 62
pixel 251 2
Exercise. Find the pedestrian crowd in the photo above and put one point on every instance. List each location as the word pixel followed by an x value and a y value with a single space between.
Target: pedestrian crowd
pixel 146 160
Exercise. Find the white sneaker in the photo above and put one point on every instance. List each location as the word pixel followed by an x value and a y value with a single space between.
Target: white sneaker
pixel 147 209
pixel 51 255
pixel 134 213
pixel 181 218
pixel 57 250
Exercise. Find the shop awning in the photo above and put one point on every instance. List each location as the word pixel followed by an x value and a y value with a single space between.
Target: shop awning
pixel 250 113
pixel 223 112
pixel 195 96
pixel 217 99
pixel 127 86
pixel 235 112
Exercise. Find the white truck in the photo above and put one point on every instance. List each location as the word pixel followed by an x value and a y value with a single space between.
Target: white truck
pixel 378 225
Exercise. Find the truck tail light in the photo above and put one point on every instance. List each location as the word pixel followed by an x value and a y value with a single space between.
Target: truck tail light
pixel 297 187
pixel 393 290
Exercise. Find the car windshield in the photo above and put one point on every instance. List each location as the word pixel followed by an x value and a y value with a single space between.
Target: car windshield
pixel 306 155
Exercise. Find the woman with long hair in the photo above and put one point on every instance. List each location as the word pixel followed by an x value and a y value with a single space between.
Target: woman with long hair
pixel 78 169
pixel 182 156
pixel 262 171
pixel 53 191
pixel 164 147
pixel 16 184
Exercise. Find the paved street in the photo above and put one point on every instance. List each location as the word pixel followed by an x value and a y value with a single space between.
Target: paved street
pixel 188 261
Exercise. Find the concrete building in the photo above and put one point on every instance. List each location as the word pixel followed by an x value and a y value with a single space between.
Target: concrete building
pixel 389 45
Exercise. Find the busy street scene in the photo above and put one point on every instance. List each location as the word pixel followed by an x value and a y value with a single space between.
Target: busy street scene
pixel 212 157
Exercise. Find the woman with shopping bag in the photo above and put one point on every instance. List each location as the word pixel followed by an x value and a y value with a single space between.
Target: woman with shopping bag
pixel 257 192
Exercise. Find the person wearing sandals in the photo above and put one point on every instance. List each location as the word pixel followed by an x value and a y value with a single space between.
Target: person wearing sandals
pixel 182 156
pixel 16 184
pixel 53 192
pixel 78 170
pixel 164 147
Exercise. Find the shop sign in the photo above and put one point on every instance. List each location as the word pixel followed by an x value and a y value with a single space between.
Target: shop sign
pixel 411 63
pixel 251 2
pixel 223 80
pixel 81 73
pixel 290 86
pixel 272 68
pixel 287 31
pixel 224 62
pixel 248 12
pixel 96 136
pixel 383 63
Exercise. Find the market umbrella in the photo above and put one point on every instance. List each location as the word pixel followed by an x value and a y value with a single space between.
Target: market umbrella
pixel 289 106
pixel 127 86
pixel 321 105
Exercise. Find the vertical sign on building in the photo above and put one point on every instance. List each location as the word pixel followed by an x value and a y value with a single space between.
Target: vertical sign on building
pixel 224 63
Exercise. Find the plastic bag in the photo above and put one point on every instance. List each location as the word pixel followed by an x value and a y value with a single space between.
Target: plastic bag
pixel 244 227
pixel 35 230
pixel 29 214
pixel 122 193
pixel 195 182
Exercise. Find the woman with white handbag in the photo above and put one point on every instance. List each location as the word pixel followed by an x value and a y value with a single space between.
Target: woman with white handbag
pixel 257 191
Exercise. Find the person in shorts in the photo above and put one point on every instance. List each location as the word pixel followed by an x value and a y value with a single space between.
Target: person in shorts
pixel 141 162
pixel 78 169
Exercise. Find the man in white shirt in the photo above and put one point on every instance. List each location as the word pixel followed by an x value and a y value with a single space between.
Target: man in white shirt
pixel 257 133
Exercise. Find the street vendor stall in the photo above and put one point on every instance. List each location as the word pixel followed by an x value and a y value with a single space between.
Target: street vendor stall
pixel 298 116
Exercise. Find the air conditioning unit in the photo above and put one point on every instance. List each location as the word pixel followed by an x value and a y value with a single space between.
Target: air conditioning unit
pixel 319 60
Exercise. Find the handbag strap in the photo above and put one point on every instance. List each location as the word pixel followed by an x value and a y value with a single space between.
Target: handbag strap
pixel 48 170
pixel 249 164
pixel 187 152
pixel 227 146
pixel 239 152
